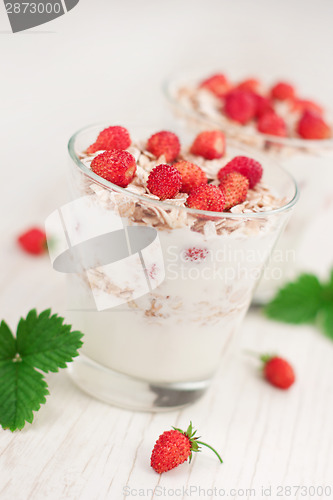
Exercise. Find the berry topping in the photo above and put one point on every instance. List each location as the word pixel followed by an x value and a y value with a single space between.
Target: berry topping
pixel 302 105
pixel 248 167
pixel 206 197
pixel 272 124
pixel 313 126
pixel 174 448
pixel 263 105
pixel 196 254
pixel 33 241
pixel 278 372
pixel 209 144
pixel 115 166
pixel 282 91
pixel 111 138
pixel 192 175
pixel 164 143
pixel 240 105
pixel 217 84
pixel 164 181
pixel 235 187
pixel 251 84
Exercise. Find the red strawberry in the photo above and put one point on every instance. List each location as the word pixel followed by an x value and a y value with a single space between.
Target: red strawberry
pixel 251 84
pixel 115 166
pixel 209 144
pixel 313 126
pixel 301 105
pixel 192 175
pixel 282 91
pixel 277 371
pixel 164 143
pixel 248 167
pixel 111 138
pixel 33 241
pixel 263 105
pixel 235 187
pixel 196 254
pixel 174 447
pixel 240 105
pixel 206 197
pixel 272 124
pixel 217 84
pixel 164 181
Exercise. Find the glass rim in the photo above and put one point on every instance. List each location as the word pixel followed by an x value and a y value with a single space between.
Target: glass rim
pixel 296 142
pixel 164 205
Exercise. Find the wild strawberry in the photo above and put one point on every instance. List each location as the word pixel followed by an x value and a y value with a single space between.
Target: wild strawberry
pixel 192 175
pixel 251 84
pixel 217 84
pixel 235 187
pixel 164 181
pixel 33 241
pixel 174 448
pixel 209 144
pixel 196 254
pixel 206 197
pixel 313 126
pixel 277 371
pixel 272 124
pixel 248 167
pixel 240 105
pixel 115 166
pixel 111 138
pixel 302 105
pixel 164 143
pixel 263 105
pixel 282 91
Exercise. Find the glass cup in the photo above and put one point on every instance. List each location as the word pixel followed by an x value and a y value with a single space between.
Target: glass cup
pixel 308 161
pixel 157 289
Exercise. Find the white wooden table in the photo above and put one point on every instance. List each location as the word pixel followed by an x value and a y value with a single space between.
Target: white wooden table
pixel 80 448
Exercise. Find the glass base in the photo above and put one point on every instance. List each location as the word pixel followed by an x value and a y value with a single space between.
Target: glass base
pixel 131 393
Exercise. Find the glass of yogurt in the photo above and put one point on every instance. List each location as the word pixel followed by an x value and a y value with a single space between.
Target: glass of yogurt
pixel 159 288
pixel 198 100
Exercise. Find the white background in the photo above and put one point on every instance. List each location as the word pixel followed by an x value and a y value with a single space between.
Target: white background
pixel 106 61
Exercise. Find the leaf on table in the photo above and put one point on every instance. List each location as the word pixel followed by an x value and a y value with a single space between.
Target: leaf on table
pixel 22 391
pixel 297 302
pixel 7 342
pixel 45 342
pixel 325 320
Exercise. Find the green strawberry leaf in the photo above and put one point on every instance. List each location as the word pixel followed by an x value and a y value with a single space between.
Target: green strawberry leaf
pixel 325 320
pixel 23 390
pixel 297 302
pixel 44 342
pixel 7 342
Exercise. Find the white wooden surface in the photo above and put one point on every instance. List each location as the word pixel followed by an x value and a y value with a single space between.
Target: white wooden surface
pixel 106 60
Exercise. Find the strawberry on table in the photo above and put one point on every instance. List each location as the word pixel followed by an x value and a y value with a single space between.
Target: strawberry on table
pixel 209 144
pixel 174 448
pixel 111 138
pixel 277 371
pixel 33 241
